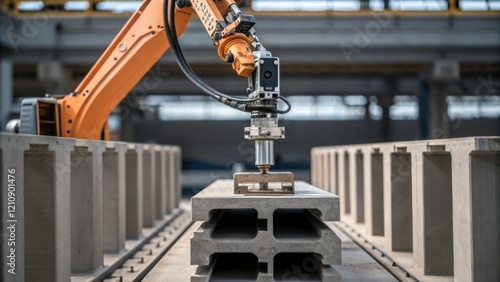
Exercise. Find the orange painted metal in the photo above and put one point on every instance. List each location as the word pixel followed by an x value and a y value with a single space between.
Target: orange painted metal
pixel 140 43
pixel 239 46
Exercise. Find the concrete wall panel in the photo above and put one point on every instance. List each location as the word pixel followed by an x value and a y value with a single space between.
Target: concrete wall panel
pixel 430 206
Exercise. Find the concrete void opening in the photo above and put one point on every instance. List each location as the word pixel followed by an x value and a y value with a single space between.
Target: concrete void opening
pixel 401 229
pixel 360 190
pixel 377 194
pixel 336 188
pixel 486 214
pixel 438 213
pixel 347 193
pixel 39 219
pixel 297 224
pixel 237 267
pixel 328 175
pixel 241 224
pixel 297 266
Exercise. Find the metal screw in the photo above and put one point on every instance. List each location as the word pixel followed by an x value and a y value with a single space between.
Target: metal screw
pixel 261 62
pixel 265 133
pixel 123 47
pixel 276 62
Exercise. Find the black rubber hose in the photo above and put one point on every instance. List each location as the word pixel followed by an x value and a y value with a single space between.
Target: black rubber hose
pixel 289 106
pixel 234 102
pixel 170 30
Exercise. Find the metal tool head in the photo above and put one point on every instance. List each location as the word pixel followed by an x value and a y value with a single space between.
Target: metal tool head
pixel 254 183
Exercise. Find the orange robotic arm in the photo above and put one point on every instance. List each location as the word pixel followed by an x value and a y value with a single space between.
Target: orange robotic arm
pixel 138 46
pixel 141 42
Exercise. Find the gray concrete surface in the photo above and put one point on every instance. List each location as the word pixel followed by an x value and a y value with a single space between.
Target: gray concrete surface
pixel 374 212
pixel 239 231
pixel 401 222
pixel 438 221
pixel 264 237
pixel 113 194
pixel 148 186
pixel 133 191
pixel 86 207
pixel 160 189
pixel 219 197
pixel 42 207
pixel 440 200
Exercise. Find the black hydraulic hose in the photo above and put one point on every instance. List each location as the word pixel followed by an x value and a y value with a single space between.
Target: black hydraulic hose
pixel 234 102
pixel 289 106
pixel 170 30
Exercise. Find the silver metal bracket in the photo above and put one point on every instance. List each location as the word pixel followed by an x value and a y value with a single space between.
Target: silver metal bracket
pixel 264 133
pixel 251 183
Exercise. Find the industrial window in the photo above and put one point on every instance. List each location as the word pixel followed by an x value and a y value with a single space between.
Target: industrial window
pixel 292 5
pixel 348 5
pixel 376 5
pixel 418 5
pixel 30 6
pixel 193 108
pixel 479 5
pixel 118 6
pixel 353 107
pixel 76 5
pixel 470 107
pixel 307 5
pixel 404 108
pixel 303 108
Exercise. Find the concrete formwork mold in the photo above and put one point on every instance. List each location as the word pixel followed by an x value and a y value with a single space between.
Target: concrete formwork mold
pixel 431 206
pixel 64 201
pixel 265 237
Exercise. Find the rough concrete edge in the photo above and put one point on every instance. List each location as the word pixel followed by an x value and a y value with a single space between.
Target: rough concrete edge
pixel 329 212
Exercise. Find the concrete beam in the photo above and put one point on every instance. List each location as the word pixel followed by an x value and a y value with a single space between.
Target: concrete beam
pixel 264 236
pixel 67 202
pixel 440 200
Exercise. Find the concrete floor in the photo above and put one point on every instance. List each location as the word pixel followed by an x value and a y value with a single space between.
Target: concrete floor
pixel 357 265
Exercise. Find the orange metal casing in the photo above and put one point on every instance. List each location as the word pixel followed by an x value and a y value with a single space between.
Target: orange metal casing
pixel 137 47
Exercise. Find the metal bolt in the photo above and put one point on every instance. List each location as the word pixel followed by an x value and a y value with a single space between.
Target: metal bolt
pixel 276 62
pixel 247 132
pixel 265 133
pixel 261 62
pixel 123 47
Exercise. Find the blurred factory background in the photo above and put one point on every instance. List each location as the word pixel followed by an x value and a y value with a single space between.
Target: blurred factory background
pixel 356 71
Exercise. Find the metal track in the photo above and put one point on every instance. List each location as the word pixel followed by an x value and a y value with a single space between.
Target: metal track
pixel 381 257
pixel 139 263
